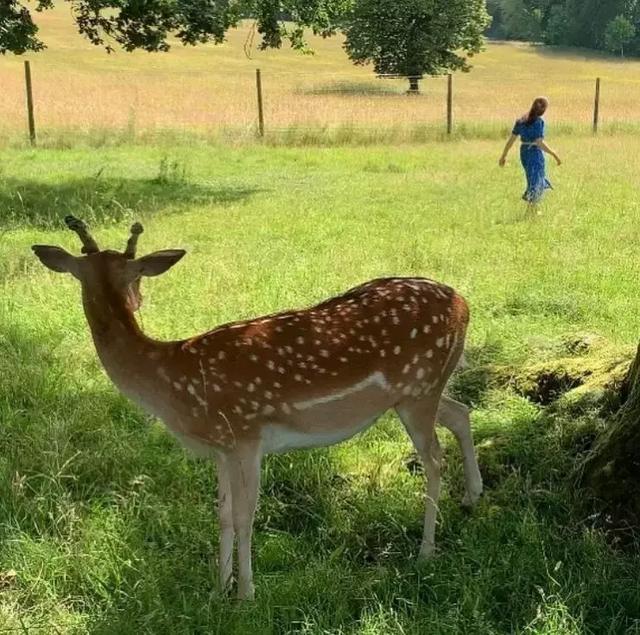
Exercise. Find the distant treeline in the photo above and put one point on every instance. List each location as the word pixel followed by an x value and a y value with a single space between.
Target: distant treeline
pixel 612 25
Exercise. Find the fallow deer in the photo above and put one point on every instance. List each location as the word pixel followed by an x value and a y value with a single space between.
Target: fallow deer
pixel 300 379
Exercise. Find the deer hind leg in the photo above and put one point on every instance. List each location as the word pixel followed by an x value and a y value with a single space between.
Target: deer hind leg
pixel 419 418
pixel 455 417
pixel 225 522
pixel 244 474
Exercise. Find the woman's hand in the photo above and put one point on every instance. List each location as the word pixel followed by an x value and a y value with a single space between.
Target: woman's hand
pixel 557 158
pixel 502 162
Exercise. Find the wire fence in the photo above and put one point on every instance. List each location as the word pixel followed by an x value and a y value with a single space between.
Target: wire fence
pixel 280 101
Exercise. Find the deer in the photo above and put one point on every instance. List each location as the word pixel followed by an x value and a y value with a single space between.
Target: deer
pixel 302 378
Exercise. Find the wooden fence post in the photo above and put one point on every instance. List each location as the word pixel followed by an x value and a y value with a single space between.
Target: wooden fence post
pixel 449 104
pixel 260 108
pixel 596 107
pixel 32 122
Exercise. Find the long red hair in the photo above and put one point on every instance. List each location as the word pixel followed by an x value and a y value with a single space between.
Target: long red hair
pixel 538 108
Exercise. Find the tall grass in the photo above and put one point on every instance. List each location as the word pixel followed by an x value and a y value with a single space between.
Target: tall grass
pixel 208 89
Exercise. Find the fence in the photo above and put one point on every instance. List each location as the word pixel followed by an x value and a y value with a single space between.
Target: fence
pixel 288 100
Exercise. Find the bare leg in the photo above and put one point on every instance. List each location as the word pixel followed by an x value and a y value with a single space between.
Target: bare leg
pixel 244 472
pixel 225 520
pixel 455 417
pixel 419 420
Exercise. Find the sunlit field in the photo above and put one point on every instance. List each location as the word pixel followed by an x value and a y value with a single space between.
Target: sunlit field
pixel 108 526
pixel 210 91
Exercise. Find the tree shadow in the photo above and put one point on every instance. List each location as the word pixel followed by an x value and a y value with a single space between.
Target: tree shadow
pixel 97 199
pixel 85 475
pixel 354 89
pixel 576 54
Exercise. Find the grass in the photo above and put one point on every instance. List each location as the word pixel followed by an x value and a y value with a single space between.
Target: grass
pixel 208 91
pixel 107 526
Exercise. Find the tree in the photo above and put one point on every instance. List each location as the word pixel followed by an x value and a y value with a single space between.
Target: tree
pixel 618 34
pixel 148 24
pixel 610 472
pixel 415 37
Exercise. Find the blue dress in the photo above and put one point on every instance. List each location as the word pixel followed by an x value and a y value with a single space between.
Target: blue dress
pixel 532 159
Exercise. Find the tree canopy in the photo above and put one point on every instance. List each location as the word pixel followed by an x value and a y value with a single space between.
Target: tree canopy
pixel 149 24
pixel 586 23
pixel 415 37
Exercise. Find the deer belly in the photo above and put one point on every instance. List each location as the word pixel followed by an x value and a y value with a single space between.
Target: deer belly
pixel 328 419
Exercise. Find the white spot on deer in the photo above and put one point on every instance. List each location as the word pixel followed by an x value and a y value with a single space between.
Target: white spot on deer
pixel 426 328
pixel 177 385
pixel 270 364
pixel 406 369
pixel 396 350
pixel 253 358
pixel 221 355
pixel 434 319
pixel 286 408
pixel 268 394
pixel 420 373
pixel 440 342
pixel 429 354
pixel 251 387
pixel 300 339
pixel 216 388
pixel 375 379
pixel 162 372
pixel 413 333
pixel 191 389
pixel 268 410
pixel 324 353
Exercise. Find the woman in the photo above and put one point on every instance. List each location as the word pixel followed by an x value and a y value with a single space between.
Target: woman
pixel 530 128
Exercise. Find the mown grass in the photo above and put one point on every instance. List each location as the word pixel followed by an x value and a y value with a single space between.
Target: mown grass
pixel 209 91
pixel 107 526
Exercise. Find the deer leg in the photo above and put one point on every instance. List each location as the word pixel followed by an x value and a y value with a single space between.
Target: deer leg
pixel 244 473
pixel 419 420
pixel 225 521
pixel 455 417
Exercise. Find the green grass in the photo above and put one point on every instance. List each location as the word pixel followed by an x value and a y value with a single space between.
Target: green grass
pixel 107 526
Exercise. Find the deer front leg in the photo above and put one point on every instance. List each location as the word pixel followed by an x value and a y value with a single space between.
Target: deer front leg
pixel 244 473
pixel 225 522
pixel 455 417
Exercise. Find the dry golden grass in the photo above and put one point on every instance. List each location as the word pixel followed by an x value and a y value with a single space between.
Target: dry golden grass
pixel 79 87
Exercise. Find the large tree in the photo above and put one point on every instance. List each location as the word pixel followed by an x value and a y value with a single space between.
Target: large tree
pixel 413 38
pixel 149 24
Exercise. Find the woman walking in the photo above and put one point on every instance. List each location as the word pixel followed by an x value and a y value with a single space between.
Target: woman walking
pixel 530 129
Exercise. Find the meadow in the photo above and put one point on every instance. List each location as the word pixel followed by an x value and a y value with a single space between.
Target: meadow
pixel 83 94
pixel 108 526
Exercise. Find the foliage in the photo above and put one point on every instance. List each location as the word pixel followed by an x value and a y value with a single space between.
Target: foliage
pixel 149 25
pixel 619 32
pixel 415 37
pixel 594 24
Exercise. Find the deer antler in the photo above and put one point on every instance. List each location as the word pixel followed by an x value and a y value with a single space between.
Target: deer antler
pixel 132 243
pixel 89 245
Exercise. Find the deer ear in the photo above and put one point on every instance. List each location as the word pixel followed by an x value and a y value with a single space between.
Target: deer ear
pixel 154 264
pixel 56 259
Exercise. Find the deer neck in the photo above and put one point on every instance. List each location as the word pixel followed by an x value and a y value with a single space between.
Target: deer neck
pixel 126 353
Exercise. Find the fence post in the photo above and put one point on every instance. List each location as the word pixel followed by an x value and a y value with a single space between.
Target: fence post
pixel 260 108
pixel 32 122
pixel 596 107
pixel 449 104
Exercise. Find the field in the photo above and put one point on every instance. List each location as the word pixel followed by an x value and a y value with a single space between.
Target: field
pixel 83 93
pixel 107 526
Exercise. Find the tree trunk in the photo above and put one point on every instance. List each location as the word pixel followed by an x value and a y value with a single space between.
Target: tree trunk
pixel 414 85
pixel 612 471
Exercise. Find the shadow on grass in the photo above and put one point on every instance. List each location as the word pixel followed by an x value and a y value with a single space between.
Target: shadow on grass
pixel 354 89
pixel 104 516
pixel 40 205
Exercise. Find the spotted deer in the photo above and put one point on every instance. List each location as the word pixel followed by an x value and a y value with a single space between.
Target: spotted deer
pixel 300 379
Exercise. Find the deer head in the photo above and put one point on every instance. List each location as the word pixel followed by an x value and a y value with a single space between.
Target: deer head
pixel 108 272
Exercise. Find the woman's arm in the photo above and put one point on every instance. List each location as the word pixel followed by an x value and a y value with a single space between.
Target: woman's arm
pixel 507 147
pixel 545 148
